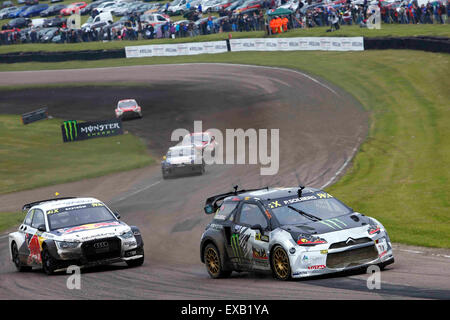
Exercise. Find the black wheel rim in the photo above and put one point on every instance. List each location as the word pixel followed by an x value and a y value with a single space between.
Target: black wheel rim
pixel 15 254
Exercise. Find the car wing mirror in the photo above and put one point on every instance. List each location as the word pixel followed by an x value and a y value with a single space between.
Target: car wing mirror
pixel 41 228
pixel 257 227
pixel 117 215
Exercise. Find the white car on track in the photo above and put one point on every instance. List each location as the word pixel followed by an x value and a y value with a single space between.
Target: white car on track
pixel 57 233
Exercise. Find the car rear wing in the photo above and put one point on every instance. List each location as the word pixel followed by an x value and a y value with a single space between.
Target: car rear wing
pixel 31 204
pixel 211 205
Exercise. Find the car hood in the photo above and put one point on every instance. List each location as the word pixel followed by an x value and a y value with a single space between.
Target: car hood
pixel 91 231
pixel 354 220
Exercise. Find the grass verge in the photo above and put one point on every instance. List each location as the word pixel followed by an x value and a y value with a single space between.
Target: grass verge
pixel 388 30
pixel 9 220
pixel 34 155
pixel 400 175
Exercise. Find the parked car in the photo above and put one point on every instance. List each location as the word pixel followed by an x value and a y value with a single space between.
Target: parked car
pixel 49 33
pixel 73 7
pixel 16 13
pixel 55 22
pixel 53 10
pixel 18 23
pixel 6 11
pixel 34 10
pixel 7 4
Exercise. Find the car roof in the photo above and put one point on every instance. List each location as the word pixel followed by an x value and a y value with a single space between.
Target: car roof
pixel 267 194
pixel 61 203
pixel 126 100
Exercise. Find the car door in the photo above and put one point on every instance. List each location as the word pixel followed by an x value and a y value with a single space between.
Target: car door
pixel 34 238
pixel 247 245
pixel 22 245
pixel 251 215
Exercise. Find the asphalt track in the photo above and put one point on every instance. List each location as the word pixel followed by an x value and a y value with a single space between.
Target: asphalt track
pixel 320 126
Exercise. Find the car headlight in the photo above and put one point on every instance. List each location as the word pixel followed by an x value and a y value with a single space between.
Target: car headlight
pixel 374 229
pixel 127 235
pixel 66 244
pixel 309 240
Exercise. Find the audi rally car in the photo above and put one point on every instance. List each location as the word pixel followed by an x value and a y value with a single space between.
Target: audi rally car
pixel 57 233
pixel 290 232
pixel 127 109
pixel 182 160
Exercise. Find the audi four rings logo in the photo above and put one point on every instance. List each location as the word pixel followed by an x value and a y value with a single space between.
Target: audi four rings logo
pixel 100 245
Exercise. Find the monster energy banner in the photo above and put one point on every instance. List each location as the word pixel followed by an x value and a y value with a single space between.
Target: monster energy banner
pixel 74 131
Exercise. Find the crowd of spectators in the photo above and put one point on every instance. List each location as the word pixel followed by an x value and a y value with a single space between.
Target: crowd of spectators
pixel 199 23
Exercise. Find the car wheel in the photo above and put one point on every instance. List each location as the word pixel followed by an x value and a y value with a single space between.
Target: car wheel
pixel 279 260
pixel 135 262
pixel 16 259
pixel 213 264
pixel 48 263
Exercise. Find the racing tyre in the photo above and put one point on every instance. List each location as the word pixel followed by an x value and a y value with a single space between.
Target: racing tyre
pixel 16 259
pixel 135 262
pixel 48 263
pixel 279 261
pixel 213 264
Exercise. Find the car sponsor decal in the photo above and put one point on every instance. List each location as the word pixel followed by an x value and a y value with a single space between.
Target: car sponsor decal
pixel 239 243
pixel 260 237
pixel 273 204
pixel 259 254
pixel 76 207
pixel 334 223
pixel 317 267
pixel 34 244
pixel 90 226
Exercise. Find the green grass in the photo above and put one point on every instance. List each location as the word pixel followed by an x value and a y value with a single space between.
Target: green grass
pixel 10 219
pixel 400 176
pixel 34 155
pixel 345 31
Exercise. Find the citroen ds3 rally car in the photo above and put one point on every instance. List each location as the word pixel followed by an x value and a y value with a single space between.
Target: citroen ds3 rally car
pixel 128 109
pixel 290 232
pixel 57 233
pixel 182 160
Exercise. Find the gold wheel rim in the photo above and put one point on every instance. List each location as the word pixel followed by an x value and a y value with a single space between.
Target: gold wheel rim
pixel 281 263
pixel 212 261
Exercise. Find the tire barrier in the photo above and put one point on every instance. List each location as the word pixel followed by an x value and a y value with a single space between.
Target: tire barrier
pixel 35 115
pixel 59 56
pixel 433 44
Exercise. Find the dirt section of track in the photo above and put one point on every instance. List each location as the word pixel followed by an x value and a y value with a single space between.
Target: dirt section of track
pixel 320 127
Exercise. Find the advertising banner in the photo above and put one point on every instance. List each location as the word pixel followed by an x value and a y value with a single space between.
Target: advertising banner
pixel 177 49
pixel 292 44
pixel 75 131
pixel 35 115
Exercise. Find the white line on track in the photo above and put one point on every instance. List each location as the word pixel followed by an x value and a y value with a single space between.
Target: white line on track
pixel 343 166
pixel 138 191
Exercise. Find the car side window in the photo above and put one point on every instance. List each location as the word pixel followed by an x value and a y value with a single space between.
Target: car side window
pixel 38 219
pixel 28 218
pixel 251 214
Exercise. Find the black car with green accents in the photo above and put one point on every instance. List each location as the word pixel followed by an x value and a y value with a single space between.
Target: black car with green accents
pixel 289 232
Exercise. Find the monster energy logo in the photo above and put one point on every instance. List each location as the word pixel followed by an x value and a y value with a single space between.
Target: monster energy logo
pixel 334 223
pixel 237 250
pixel 70 130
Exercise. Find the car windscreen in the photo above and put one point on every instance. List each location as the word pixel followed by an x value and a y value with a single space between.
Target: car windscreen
pixel 180 152
pixel 306 211
pixel 127 104
pixel 78 215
